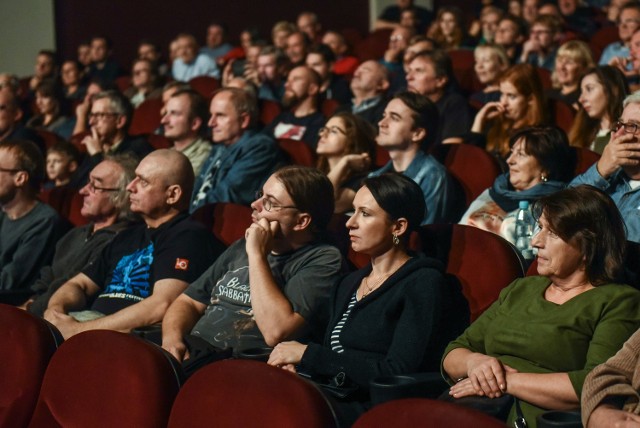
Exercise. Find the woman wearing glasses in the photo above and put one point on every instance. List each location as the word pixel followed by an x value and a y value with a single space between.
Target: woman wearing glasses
pixel 345 150
pixel 602 90
pixel 545 333
pixel 391 317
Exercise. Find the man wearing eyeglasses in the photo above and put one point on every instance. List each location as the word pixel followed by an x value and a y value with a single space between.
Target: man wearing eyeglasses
pixel 618 170
pixel 241 160
pixel 109 120
pixel 138 275
pixel 541 48
pixel 28 228
pixel 270 286
pixel 11 115
pixel 106 207
pixel 628 23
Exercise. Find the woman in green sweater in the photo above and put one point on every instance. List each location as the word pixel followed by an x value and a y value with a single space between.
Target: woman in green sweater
pixel 545 333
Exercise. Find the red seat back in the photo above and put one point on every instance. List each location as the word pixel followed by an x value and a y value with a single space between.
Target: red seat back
pixel 483 262
pixel 226 220
pixel 298 151
pixel 26 345
pixel 204 85
pixel 584 159
pixel 269 110
pixel 251 394
pixel 146 117
pixel 104 378
pixel 427 413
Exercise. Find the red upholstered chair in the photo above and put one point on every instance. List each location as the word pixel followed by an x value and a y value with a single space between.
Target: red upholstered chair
pixel 76 140
pixel 372 46
pixel 75 206
pixel 601 39
pixel 329 107
pixel 269 110
pixel 584 159
pixel 204 85
pixel 473 167
pixel 227 221
pixel 563 114
pixel 298 152
pixel 60 199
pixel 249 393
pixel 146 117
pixel 158 141
pixel 123 83
pixel 104 378
pixel 545 77
pixel 48 137
pixel 427 413
pixel 483 262
pixel 463 62
pixel 27 343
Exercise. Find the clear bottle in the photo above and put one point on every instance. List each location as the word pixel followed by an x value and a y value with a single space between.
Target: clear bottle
pixel 525 224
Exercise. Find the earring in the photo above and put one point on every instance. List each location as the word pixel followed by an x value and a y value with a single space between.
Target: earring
pixel 544 178
pixel 396 240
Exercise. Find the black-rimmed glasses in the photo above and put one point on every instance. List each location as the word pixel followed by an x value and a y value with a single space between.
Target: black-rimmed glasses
pixel 268 205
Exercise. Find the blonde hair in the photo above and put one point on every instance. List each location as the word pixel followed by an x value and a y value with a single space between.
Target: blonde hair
pixel 577 51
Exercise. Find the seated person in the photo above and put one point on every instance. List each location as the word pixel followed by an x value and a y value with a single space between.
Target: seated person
pixel 541 48
pixel 241 159
pixel 110 118
pixel 345 64
pixel 490 62
pixel 53 110
pixel 611 391
pixel 573 60
pixel 29 228
pixel 519 346
pixel 302 120
pixel 71 76
pixel 345 150
pixel 145 82
pixel 390 317
pixel 137 276
pixel 106 207
pixel 538 166
pixel 332 87
pixel 618 171
pixel 270 286
pixel 11 115
pixel 62 161
pixel 369 86
pixel 189 63
pixel 407 130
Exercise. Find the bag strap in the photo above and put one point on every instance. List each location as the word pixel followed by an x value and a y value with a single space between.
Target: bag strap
pixel 520 421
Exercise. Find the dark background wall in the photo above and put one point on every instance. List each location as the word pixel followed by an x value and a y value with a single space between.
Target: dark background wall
pixel 128 21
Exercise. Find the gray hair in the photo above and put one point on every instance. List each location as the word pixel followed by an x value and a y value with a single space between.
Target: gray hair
pixel 118 104
pixel 633 98
pixel 120 198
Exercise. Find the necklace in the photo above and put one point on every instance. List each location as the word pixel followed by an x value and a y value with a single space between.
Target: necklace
pixel 378 282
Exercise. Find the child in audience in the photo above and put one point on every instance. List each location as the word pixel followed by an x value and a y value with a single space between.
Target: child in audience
pixel 62 161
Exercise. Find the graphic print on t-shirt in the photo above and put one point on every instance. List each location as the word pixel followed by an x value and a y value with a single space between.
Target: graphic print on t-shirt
pixel 290 131
pixel 130 279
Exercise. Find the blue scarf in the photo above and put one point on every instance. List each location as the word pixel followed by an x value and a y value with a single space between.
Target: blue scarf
pixel 507 198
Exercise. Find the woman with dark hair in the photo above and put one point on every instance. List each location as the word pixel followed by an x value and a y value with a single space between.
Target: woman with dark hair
pixel 345 149
pixel 602 90
pixel 386 318
pixel 545 333
pixel 538 166
pixel 52 110
pixel 521 105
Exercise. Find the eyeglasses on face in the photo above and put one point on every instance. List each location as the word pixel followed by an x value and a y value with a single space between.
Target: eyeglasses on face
pixel 91 185
pixel 11 170
pixel 333 130
pixel 268 204
pixel 629 128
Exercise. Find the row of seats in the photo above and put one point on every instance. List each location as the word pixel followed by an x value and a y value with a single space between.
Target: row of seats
pixel 105 379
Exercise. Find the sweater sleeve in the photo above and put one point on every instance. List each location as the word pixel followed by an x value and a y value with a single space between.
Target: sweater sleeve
pixel 413 330
pixel 614 379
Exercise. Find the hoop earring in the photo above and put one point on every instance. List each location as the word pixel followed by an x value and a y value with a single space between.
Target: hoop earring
pixel 396 240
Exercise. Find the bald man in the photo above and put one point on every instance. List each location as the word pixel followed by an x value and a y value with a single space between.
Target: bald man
pixel 139 274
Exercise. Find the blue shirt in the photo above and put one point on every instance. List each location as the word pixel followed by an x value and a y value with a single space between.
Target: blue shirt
pixel 433 179
pixel 615 49
pixel 618 188
pixel 233 173
pixel 216 52
pixel 202 66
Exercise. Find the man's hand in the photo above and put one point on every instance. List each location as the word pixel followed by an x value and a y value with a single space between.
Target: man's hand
pixel 67 325
pixel 92 142
pixel 260 236
pixel 177 348
pixel 623 150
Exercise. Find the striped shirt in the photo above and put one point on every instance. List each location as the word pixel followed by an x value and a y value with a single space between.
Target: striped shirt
pixel 336 346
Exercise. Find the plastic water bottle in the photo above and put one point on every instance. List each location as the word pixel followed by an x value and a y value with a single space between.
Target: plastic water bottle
pixel 525 225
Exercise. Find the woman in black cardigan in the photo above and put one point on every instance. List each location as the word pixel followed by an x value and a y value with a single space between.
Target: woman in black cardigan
pixel 387 318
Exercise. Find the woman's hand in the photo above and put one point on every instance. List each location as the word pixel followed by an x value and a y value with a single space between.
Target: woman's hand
pixel 489 111
pixel 286 355
pixel 487 376
pixel 358 162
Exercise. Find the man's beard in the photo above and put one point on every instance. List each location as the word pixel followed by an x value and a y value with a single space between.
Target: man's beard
pixel 290 99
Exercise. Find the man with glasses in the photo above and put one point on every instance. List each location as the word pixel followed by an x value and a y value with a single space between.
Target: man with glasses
pixel 270 286
pixel 241 159
pixel 11 115
pixel 618 170
pixel 109 120
pixel 137 276
pixel 628 22
pixel 28 228
pixel 541 48
pixel 106 206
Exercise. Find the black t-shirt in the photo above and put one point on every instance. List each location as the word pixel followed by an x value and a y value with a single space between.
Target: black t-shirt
pixel 306 128
pixel 138 257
